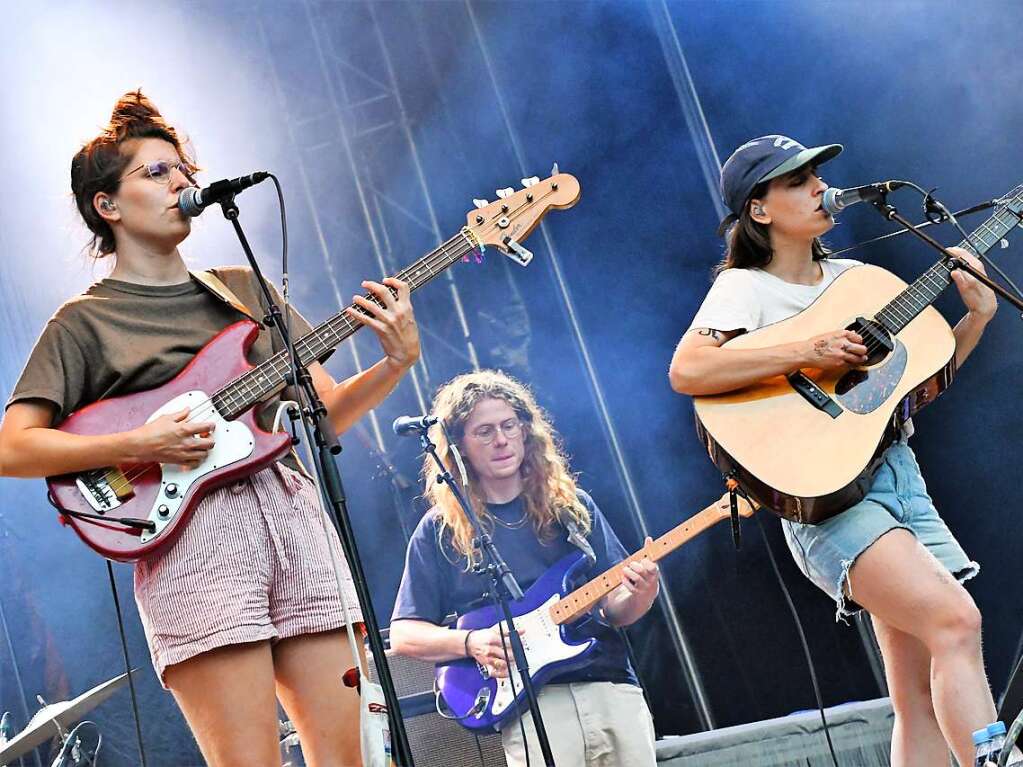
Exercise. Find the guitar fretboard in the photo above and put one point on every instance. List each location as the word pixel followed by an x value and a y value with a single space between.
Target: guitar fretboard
pixel 929 285
pixel 268 378
pixel 582 600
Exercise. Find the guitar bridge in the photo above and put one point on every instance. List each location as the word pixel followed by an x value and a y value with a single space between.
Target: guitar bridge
pixel 104 489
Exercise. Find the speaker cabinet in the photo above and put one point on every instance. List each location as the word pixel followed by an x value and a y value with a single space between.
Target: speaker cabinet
pixel 435 741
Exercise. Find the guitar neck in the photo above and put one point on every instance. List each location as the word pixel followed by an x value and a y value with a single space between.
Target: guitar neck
pixel 583 599
pixel 269 377
pixel 922 293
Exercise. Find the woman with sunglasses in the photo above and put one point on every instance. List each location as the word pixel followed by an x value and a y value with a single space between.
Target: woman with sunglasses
pixel 245 607
pixel 891 552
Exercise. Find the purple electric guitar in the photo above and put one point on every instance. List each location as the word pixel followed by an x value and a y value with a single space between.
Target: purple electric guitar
pixel 480 702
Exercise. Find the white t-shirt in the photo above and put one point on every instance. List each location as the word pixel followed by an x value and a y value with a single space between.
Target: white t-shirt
pixel 747 299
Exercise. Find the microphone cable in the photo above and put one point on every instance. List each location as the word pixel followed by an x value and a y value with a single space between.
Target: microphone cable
pixel 937 213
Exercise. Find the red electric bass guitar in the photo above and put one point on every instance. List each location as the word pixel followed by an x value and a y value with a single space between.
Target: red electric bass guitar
pixel 132 511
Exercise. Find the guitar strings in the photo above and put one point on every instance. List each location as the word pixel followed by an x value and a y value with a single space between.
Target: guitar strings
pixel 207 408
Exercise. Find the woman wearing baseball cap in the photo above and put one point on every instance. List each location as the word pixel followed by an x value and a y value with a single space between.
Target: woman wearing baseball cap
pixel 891 550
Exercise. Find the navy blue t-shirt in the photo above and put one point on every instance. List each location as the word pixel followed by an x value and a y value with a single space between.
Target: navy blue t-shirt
pixel 436 584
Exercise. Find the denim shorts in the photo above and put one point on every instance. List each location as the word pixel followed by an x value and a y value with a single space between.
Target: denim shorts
pixel 897 499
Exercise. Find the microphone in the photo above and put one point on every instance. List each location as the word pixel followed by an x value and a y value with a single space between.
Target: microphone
pixel 412 425
pixel 192 201
pixel 837 200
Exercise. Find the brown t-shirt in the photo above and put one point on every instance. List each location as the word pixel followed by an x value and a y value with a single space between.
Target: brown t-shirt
pixel 119 338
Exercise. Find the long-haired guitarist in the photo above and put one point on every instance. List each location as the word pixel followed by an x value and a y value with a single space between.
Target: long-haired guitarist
pixel 891 552
pixel 245 605
pixel 525 495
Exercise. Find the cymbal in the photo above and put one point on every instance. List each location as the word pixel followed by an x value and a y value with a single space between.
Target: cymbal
pixel 54 717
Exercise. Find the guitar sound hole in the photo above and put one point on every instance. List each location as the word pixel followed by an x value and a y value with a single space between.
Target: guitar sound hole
pixel 875 337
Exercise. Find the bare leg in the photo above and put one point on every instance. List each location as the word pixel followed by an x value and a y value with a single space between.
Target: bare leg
pixel 308 669
pixel 227 696
pixel 899 582
pixel 916 738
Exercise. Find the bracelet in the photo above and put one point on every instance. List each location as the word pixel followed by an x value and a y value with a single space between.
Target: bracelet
pixel 466 643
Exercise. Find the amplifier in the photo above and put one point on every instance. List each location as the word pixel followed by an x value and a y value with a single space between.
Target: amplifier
pixel 435 741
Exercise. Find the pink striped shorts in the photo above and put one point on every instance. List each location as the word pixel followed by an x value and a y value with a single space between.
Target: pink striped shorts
pixel 253 563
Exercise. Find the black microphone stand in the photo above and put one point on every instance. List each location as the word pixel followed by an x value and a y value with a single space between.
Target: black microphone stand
pixel 320 433
pixel 889 212
pixel 503 587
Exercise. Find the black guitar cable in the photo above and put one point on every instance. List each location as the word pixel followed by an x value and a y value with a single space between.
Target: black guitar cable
pixel 127 664
pixel 799 629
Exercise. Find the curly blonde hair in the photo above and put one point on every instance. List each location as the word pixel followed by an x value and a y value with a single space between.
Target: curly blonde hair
pixel 549 489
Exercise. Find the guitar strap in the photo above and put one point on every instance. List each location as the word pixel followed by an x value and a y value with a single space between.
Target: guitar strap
pixel 215 286
pixel 577 539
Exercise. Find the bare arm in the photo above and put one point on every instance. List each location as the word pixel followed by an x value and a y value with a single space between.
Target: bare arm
pixel 426 641
pixel 430 642
pixel 29 447
pixel 701 366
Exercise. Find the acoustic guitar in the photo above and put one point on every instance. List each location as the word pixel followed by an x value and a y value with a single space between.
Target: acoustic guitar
pixel 806 445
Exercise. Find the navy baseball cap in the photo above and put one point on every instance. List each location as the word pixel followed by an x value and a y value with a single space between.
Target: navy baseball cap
pixel 761 160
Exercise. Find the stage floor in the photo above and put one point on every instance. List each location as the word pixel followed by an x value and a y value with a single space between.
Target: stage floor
pixel 861 733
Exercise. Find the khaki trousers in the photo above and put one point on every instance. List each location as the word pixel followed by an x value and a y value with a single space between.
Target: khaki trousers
pixel 596 724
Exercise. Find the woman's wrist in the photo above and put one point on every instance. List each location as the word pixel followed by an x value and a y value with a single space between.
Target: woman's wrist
pixel 465 643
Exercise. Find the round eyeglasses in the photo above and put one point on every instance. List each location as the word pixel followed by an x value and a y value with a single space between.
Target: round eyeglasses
pixel 487 433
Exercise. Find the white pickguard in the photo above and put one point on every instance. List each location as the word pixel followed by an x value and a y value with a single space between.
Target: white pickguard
pixel 542 642
pixel 232 441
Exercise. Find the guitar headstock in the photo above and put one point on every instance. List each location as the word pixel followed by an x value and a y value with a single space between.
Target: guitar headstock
pixel 723 507
pixel 506 222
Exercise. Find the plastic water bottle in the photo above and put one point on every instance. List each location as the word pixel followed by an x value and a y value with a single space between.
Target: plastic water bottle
pixel 996 733
pixel 981 747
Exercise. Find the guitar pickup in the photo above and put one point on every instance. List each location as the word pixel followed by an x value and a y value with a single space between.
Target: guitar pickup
pixel 119 483
pixel 812 393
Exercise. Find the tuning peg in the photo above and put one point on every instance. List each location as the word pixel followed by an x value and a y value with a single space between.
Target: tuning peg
pixel 480 203
pixel 528 182
pixel 506 192
pixel 554 169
